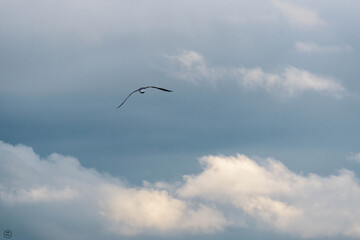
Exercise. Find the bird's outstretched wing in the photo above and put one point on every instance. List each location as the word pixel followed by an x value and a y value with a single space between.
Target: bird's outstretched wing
pixel 127 98
pixel 163 89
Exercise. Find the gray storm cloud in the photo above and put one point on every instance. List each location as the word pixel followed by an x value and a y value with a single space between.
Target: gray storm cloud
pixel 264 77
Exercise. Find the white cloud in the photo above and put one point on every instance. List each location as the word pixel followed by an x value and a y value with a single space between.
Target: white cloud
pixel 299 16
pixel 311 47
pixel 291 81
pixel 40 194
pixel 132 211
pixel 64 196
pixel 60 182
pixel 354 157
pixel 307 206
pixel 193 67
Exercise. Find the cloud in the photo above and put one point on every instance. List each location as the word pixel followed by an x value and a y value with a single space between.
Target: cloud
pixel 40 194
pixel 311 47
pixel 132 211
pixel 73 202
pixel 291 81
pixel 306 206
pixel 193 67
pixel 299 16
pixel 44 186
pixel 355 157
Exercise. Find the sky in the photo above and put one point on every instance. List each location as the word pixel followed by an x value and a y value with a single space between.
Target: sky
pixel 258 140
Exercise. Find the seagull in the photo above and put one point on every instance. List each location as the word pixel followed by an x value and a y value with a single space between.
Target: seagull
pixel 142 91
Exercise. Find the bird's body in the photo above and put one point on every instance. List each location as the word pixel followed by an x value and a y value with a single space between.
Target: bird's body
pixel 142 91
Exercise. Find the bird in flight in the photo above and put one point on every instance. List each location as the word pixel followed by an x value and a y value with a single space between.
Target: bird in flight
pixel 142 90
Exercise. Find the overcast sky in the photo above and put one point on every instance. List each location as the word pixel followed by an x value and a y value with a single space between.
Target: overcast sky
pixel 259 140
